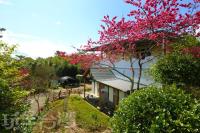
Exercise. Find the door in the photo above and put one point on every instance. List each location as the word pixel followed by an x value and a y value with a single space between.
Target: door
pixel 115 96
pixel 104 94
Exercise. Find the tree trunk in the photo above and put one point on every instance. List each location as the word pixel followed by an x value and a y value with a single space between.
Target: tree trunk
pixel 164 46
pixel 132 86
pixel 140 74
pixel 133 74
pixel 38 105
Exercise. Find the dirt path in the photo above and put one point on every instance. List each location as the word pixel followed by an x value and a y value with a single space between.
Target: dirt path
pixel 34 108
pixel 42 98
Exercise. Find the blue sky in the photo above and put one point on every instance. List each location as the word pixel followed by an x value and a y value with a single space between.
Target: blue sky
pixel 40 27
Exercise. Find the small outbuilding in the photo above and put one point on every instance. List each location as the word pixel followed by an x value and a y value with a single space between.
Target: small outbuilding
pixel 68 81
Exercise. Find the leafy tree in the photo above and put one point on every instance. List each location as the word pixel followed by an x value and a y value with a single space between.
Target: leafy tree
pixel 186 41
pixel 157 110
pixel 178 68
pixel 181 66
pixel 63 68
pixel 12 97
pixel 41 74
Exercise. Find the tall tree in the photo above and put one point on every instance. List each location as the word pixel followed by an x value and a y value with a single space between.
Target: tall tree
pixel 152 23
pixel 42 72
pixel 181 66
pixel 12 97
pixel 157 21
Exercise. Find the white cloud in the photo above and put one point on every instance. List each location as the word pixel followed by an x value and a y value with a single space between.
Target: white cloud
pixel 5 2
pixel 34 46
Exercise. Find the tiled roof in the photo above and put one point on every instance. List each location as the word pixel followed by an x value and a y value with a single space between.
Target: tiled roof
pixel 102 74
pixel 120 84
pixel 107 77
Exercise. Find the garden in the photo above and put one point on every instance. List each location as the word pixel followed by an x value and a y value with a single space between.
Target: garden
pixel 73 114
pixel 154 31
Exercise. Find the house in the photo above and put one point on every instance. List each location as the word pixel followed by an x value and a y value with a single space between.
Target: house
pixel 108 87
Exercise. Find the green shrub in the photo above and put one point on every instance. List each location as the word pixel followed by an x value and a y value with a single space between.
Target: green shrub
pixel 12 98
pixel 157 110
pixel 177 68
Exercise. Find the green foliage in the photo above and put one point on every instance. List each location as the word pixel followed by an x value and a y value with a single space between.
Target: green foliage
pixel 12 98
pixel 178 68
pixel 41 75
pixel 157 110
pixel 43 72
pixel 63 68
pixel 27 122
pixel 185 42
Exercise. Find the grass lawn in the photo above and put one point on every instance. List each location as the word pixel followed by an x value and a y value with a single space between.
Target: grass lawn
pixel 87 118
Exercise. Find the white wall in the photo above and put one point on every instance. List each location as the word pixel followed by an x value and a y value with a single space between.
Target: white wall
pixel 121 95
pixel 110 94
pixel 96 89
pixel 93 89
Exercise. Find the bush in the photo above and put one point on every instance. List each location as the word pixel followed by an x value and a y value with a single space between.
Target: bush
pixel 157 110
pixel 178 68
pixel 12 98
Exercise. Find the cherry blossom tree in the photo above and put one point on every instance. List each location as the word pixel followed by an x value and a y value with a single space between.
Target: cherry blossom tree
pixel 85 60
pixel 158 21
pixel 151 23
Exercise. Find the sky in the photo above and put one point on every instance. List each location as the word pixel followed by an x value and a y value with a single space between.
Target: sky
pixel 41 27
